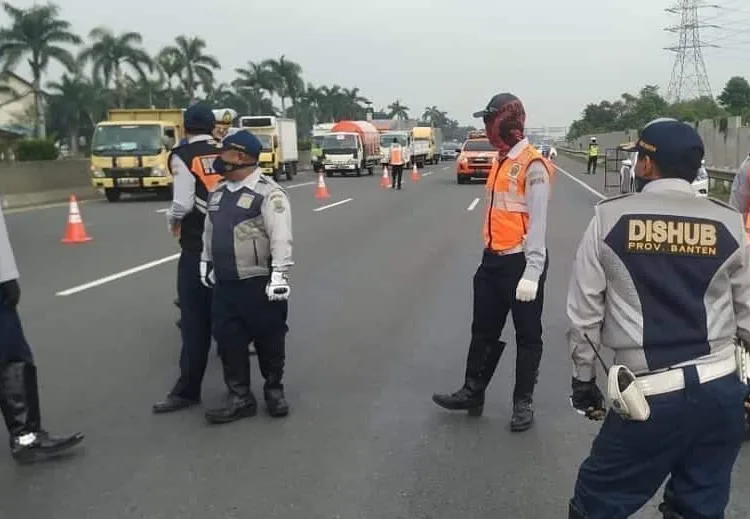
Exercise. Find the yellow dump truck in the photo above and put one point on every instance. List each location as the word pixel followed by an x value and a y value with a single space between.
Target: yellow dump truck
pixel 129 151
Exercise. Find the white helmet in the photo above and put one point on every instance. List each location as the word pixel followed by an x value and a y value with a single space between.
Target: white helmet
pixel 593 139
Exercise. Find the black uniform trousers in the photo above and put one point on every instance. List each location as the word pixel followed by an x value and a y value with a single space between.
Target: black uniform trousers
pixel 495 285
pixel 13 344
pixel 195 315
pixel 591 167
pixel 397 174
pixel 243 314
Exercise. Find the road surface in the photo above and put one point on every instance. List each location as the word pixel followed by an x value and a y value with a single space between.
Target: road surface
pixel 379 316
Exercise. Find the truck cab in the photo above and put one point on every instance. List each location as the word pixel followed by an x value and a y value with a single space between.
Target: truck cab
pixel 130 150
pixel 403 138
pixel 278 136
pixel 343 152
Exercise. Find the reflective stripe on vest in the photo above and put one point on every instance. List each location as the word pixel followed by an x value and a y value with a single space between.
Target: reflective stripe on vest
pixel 507 218
pixel 747 226
pixel 396 155
pixel 593 151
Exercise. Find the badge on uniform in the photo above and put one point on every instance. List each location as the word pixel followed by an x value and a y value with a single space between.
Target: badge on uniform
pixel 245 201
pixel 278 204
pixel 514 171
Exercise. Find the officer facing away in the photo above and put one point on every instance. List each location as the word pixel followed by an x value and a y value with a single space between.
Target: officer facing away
pixel 247 254
pixel 514 265
pixel 19 391
pixel 191 165
pixel 662 278
pixel 396 160
pixel 593 152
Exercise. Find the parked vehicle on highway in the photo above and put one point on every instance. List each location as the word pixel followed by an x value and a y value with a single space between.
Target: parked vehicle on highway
pixel 280 154
pixel 427 144
pixel 475 158
pixel 449 151
pixel 404 139
pixel 129 151
pixel 351 147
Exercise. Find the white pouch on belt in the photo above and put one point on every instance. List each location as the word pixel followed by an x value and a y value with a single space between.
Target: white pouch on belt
pixel 626 397
pixel 742 355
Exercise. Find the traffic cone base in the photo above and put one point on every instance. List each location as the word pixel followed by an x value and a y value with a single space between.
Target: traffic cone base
pixel 75 231
pixel 385 180
pixel 321 191
pixel 415 173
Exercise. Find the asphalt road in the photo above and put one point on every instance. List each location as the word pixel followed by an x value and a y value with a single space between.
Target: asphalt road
pixel 379 316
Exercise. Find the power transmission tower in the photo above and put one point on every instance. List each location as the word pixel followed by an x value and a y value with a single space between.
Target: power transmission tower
pixel 689 78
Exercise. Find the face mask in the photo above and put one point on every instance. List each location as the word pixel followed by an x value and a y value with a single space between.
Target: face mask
pixel 505 127
pixel 222 167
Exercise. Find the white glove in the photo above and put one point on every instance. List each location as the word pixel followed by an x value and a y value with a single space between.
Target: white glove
pixel 526 290
pixel 207 274
pixel 278 288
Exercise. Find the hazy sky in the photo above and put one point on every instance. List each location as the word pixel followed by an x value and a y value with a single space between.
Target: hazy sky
pixel 555 55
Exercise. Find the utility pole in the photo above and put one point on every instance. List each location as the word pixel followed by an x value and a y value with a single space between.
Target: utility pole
pixel 689 77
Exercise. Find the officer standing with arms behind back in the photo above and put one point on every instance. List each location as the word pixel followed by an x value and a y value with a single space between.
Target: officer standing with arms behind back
pixel 191 165
pixel 662 278
pixel 19 390
pixel 514 265
pixel 247 254
pixel 396 159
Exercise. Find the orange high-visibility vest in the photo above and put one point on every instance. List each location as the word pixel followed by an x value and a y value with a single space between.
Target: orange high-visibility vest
pixel 397 156
pixel 507 219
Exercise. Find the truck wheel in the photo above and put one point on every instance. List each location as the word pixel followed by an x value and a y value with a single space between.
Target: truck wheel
pixel 290 170
pixel 370 170
pixel 166 193
pixel 358 172
pixel 276 175
pixel 459 179
pixel 329 173
pixel 112 194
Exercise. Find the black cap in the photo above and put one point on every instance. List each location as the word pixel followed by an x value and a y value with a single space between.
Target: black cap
pixel 497 101
pixel 243 141
pixel 199 118
pixel 675 147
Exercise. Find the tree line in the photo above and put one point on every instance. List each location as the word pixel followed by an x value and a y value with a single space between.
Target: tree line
pixel 114 70
pixel 634 111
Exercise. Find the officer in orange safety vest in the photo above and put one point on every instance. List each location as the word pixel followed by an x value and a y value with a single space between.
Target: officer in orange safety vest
pixel 396 160
pixel 514 265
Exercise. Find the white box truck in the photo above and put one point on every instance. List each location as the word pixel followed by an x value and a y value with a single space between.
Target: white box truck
pixel 280 154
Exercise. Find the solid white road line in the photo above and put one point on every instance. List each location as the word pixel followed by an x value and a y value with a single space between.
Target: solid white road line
pixel 473 204
pixel 581 183
pixel 118 275
pixel 340 202
pixel 162 210
pixel 299 185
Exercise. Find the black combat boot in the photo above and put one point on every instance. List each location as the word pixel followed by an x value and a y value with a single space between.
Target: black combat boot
pixel 240 402
pixel 527 373
pixel 480 366
pixel 19 403
pixel 574 513
pixel 276 403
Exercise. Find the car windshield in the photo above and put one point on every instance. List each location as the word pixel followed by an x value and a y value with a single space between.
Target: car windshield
pixel 387 140
pixel 339 141
pixel 478 145
pixel 137 139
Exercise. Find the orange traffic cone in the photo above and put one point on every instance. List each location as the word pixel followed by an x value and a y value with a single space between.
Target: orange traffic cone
pixel 75 232
pixel 415 173
pixel 385 180
pixel 321 191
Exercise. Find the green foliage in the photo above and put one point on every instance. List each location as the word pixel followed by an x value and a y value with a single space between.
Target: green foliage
pixel 36 149
pixel 304 144
pixel 634 111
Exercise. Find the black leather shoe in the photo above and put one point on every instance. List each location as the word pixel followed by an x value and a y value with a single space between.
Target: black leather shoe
pixel 32 447
pixel 174 403
pixel 236 409
pixel 523 415
pixel 462 400
pixel 276 403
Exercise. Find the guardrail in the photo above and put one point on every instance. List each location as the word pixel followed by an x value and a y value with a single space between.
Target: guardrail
pixel 716 174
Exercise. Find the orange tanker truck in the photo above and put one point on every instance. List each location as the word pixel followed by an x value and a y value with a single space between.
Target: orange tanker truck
pixel 351 147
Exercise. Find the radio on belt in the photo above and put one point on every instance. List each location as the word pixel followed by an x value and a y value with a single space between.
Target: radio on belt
pixel 623 392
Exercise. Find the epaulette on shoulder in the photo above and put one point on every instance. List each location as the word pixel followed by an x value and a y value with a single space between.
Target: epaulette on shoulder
pixel 721 203
pixel 221 183
pixel 613 198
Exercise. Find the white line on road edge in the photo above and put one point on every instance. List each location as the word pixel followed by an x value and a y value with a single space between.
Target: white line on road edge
pixel 118 275
pixel 473 204
pixel 299 185
pixel 340 202
pixel 162 210
pixel 427 174
pixel 581 183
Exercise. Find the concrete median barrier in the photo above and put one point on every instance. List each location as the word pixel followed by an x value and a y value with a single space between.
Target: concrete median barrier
pixel 45 182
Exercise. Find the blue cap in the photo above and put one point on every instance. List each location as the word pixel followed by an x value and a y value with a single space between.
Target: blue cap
pixel 243 141
pixel 199 118
pixel 675 147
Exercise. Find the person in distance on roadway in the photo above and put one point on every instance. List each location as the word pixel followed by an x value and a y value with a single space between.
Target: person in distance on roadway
pixel 513 271
pixel 663 278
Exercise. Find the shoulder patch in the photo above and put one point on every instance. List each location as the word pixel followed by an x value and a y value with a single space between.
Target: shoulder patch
pixel 721 203
pixel 613 198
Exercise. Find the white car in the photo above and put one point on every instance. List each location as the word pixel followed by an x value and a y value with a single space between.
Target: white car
pixel 627 177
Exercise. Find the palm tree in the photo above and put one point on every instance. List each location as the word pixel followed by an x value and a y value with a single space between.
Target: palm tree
pixel 170 65
pixel 398 111
pixel 435 116
pixel 69 100
pixel 256 78
pixel 110 53
pixel 198 67
pixel 288 75
pixel 37 32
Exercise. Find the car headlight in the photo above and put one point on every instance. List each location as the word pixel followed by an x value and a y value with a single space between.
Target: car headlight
pixel 158 172
pixel 98 173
